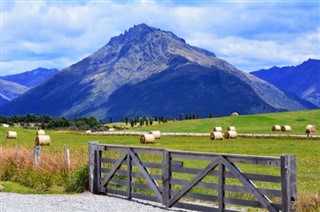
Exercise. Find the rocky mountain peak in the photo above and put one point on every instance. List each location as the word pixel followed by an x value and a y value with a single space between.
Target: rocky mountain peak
pixel 148 71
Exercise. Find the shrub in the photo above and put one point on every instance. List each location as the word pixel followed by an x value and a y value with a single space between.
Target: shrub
pixel 79 181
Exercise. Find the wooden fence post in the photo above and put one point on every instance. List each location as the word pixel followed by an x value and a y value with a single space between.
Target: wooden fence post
pixel 93 174
pixel 166 174
pixel 37 155
pixel 67 159
pixel 129 174
pixel 221 186
pixel 289 182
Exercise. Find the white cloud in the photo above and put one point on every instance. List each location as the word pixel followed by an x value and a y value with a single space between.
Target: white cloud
pixel 250 35
pixel 250 55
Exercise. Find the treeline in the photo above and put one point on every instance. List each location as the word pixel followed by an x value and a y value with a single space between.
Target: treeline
pixel 49 122
pixel 144 120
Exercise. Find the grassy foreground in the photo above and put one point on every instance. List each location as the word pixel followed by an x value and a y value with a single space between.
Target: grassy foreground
pixel 52 176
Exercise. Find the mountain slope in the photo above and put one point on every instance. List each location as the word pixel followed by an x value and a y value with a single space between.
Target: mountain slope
pixel 147 71
pixel 31 78
pixel 10 90
pixel 302 80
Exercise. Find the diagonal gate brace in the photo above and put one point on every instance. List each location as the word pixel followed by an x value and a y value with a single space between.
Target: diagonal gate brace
pixel 114 169
pixel 249 185
pixel 194 181
pixel 152 183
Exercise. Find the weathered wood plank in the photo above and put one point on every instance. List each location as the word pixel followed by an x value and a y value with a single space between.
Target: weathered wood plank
pixel 195 207
pixel 197 196
pixel 250 203
pixel 166 178
pixel 261 160
pixel 264 191
pixel 289 182
pixel 129 175
pixel 93 172
pixel 175 181
pixel 117 192
pixel 221 186
pixel 250 176
pixel 145 197
pixel 134 174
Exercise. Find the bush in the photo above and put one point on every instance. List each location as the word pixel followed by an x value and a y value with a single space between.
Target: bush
pixel 79 182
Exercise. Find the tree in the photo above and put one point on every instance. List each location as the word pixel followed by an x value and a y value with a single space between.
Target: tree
pixel 132 122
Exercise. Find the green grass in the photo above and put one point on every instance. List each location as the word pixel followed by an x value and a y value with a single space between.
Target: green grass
pixel 307 151
pixel 8 186
pixel 260 123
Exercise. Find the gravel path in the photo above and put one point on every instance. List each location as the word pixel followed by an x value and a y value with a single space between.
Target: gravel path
pixel 74 202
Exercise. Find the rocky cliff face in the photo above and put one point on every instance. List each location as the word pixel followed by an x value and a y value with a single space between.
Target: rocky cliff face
pixel 302 80
pixel 152 72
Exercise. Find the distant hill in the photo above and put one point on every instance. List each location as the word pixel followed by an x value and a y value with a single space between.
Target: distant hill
pixel 302 80
pixel 31 78
pixel 10 90
pixel 148 71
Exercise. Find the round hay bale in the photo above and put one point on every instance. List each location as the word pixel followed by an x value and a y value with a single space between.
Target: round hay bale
pixel 40 132
pixel 147 138
pixel 234 114
pixel 230 134
pixel 286 128
pixel 311 129
pixel 42 140
pixel 217 129
pixel 231 128
pixel 276 128
pixel 11 135
pixel 156 134
pixel 216 136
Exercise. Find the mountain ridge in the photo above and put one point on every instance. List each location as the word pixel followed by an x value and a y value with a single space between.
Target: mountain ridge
pixel 144 55
pixel 31 78
pixel 302 80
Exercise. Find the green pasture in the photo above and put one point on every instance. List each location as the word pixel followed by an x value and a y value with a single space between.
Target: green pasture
pixel 307 151
pixel 260 123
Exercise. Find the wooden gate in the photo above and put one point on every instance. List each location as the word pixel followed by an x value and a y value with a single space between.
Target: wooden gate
pixel 194 180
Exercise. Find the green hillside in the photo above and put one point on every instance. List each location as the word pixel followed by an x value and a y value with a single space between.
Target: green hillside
pixel 260 123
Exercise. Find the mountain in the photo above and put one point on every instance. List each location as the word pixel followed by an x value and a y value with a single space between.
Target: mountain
pixel 148 71
pixel 10 90
pixel 302 80
pixel 31 78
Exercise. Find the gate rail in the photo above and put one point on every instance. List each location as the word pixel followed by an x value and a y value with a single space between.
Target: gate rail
pixel 170 177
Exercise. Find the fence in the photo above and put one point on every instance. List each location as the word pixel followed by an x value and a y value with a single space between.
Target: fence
pixel 194 180
pixel 248 135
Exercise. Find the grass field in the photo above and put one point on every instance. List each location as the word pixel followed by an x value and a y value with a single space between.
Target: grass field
pixel 307 151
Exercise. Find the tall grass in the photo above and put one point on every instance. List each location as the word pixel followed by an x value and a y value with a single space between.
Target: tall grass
pixel 17 165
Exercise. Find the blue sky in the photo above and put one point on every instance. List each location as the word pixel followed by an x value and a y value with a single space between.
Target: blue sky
pixel 248 34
